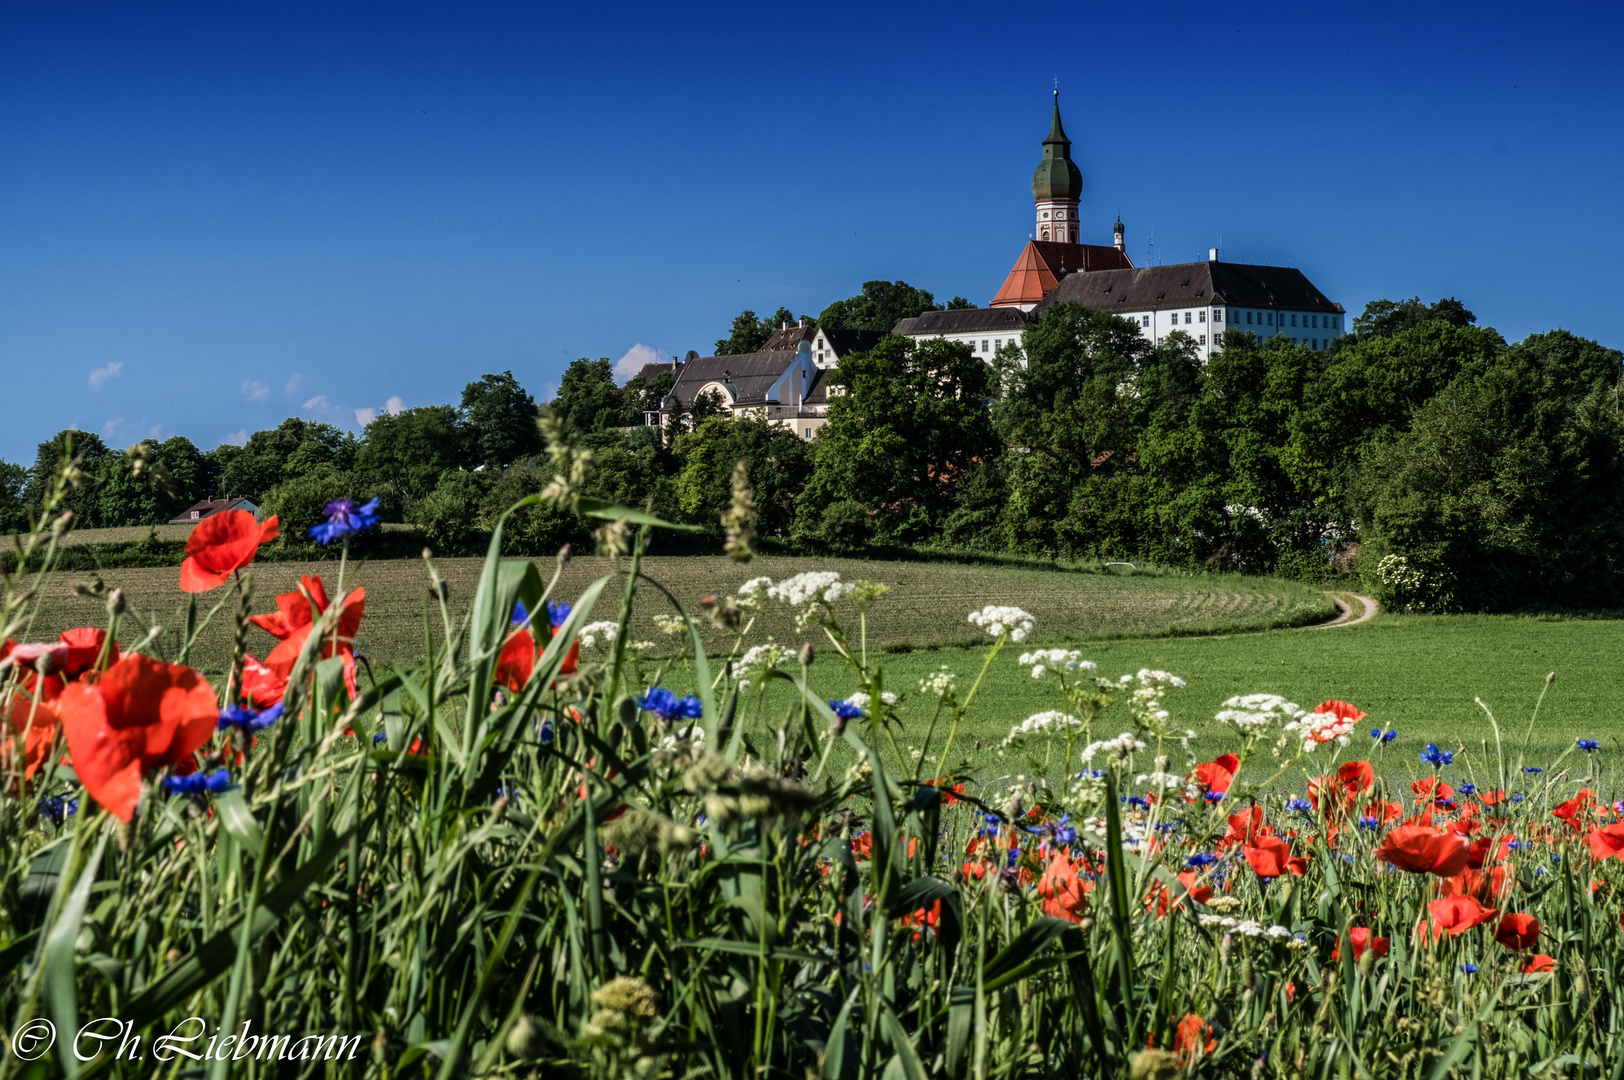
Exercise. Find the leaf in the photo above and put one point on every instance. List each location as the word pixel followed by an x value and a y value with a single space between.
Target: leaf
pixel 919 893
pixel 237 819
pixel 600 508
pixel 912 1067
pixel 1037 935
pixel 60 973
pixel 747 948
pixel 841 1044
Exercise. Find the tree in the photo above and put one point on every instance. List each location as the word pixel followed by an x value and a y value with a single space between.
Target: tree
pixel 1508 489
pixel 292 449
pixel 1384 318
pixel 93 457
pixel 124 499
pixel 912 420
pixel 498 420
pixel 749 334
pixel 409 452
pixel 777 460
pixel 300 502
pixel 588 400
pixel 13 509
pixel 959 303
pixel 880 306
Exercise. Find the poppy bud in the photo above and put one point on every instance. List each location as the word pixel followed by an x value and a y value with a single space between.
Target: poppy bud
pixel 525 1039
pixel 60 525
pixel 806 655
pixel 115 603
pixel 1367 963
pixel 1226 948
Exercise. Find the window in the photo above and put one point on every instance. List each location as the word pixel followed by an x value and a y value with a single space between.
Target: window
pixel 1203 339
pixel 196 514
pixel 1146 319
pixel 1313 320
pixel 1314 344
pixel 1271 318
pixel 997 343
pixel 1248 318
pixel 984 347
pixel 1046 234
pixel 1294 319
pixel 1203 317
pixel 1218 315
pixel 809 433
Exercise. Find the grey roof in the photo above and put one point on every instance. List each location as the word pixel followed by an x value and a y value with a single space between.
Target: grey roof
pixel 969 320
pixel 818 393
pixel 750 375
pixel 844 341
pixel 210 507
pixel 1181 285
pixel 789 337
pixel 652 371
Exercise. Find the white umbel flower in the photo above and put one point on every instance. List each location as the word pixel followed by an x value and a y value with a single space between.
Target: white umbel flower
pixel 810 588
pixel 1116 749
pixel 1043 660
pixel 1259 710
pixel 862 700
pixel 592 632
pixel 1042 722
pixel 998 619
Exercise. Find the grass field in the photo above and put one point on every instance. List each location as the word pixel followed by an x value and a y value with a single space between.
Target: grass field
pixel 928 605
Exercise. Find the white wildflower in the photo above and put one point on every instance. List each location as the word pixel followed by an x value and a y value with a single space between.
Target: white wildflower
pixel 670 624
pixel 1317 729
pixel 1212 920
pixel 1116 749
pixel 605 629
pixel 1165 781
pixel 754 591
pixel 939 684
pixel 998 620
pixel 1249 927
pixel 759 659
pixel 862 700
pixel 1149 677
pixel 1042 722
pixel 1042 660
pixel 1277 931
pixel 1259 710
pixel 695 737
pixel 813 586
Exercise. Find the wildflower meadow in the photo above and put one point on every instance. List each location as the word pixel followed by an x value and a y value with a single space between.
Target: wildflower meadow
pixel 551 849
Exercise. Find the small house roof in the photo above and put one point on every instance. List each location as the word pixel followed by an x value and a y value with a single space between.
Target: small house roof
pixel 209 507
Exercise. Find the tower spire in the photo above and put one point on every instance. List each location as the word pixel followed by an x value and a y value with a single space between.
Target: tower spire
pixel 1057 185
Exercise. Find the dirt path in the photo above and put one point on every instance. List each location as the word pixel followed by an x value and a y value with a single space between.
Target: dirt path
pixel 1345 615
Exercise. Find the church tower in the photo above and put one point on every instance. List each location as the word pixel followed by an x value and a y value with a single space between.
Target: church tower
pixel 1056 186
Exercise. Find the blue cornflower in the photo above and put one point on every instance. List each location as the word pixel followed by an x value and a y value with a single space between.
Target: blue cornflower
pixel 58 808
pixel 1369 823
pixel 1140 801
pixel 1518 797
pixel 1467 789
pixel 1589 746
pixel 1514 845
pixel 197 783
pixel 1092 774
pixel 1215 796
pixel 248 718
pixel 378 738
pixel 993 819
pixel 1539 871
pixel 345 518
pixel 546 733
pixel 1384 736
pixel 557 612
pixel 667 706
pixel 1301 806
pixel 1065 834
pixel 1533 768
pixel 845 709
pixel 1200 859
pixel 1469 969
pixel 520 613
pixel 1169 826
pixel 1556 858
pixel 1434 756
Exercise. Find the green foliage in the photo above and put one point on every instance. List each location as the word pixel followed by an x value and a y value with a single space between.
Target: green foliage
pixel 93 457
pixel 912 420
pixel 408 453
pixel 588 400
pixel 448 516
pixel 749 333
pixel 498 421
pixel 539 529
pixel 292 450
pixel 1384 318
pixel 880 306
pixel 13 508
pixel 779 463
pixel 300 503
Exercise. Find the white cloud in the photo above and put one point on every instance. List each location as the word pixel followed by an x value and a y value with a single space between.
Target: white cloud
pixel 394 406
pixel 319 403
pixel 102 374
pixel 254 390
pixel 637 356
pixel 111 429
pixel 239 438
pixel 365 416
pixel 294 382
pixel 155 431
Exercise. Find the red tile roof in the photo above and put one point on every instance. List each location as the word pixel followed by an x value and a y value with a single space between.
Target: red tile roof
pixel 1042 263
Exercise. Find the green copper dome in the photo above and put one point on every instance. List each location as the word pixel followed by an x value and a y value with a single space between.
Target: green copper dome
pixel 1056 177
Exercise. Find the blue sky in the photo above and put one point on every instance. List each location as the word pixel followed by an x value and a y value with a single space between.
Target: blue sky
pixel 214 216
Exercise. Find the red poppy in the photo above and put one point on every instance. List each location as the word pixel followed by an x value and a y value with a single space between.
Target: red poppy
pixel 1458 914
pixel 1490 798
pixel 517 660
pixel 141 716
pixel 84 645
pixel 929 918
pixel 1244 826
pixel 947 789
pixel 1350 781
pixel 1270 857
pixel 24 659
pixel 862 846
pixel 1158 899
pixel 220 545
pixel 261 687
pixel 1340 709
pixel 1574 809
pixel 1485 887
pixel 1217 774
pixel 1064 891
pixel 36 726
pixel 1517 931
pixel 1607 841
pixel 1192 1035
pixel 1539 963
pixel 1428 788
pixel 296 614
pixel 1359 937
pixel 1423 850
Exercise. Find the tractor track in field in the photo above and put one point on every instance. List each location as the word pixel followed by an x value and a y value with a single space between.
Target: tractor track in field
pixel 1344 611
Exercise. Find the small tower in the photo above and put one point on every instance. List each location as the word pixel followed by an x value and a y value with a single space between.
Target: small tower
pixel 1118 232
pixel 1056 186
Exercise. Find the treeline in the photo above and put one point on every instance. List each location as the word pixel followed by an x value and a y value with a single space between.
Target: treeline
pixel 1421 456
